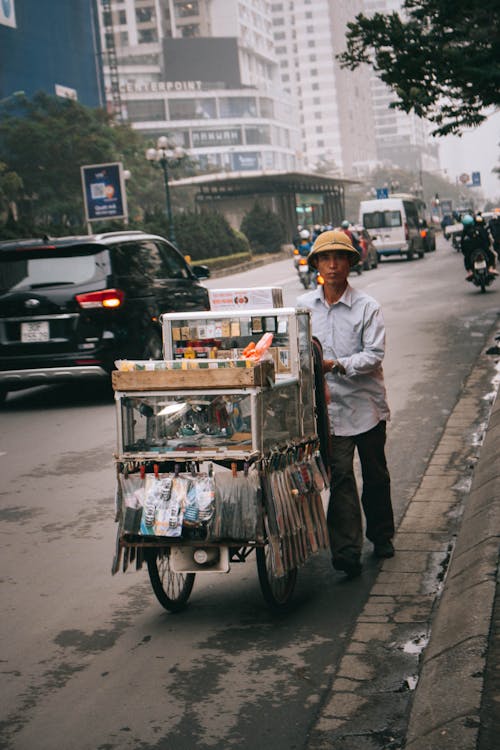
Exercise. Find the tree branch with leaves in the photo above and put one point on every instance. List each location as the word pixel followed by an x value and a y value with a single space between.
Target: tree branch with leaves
pixel 441 58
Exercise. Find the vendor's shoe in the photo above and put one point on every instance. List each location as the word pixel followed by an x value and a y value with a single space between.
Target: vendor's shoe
pixel 493 271
pixel 350 566
pixel 383 549
pixel 469 276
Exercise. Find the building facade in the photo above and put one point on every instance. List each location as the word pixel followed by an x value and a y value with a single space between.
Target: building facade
pixel 203 72
pixel 402 139
pixel 334 105
pixel 33 57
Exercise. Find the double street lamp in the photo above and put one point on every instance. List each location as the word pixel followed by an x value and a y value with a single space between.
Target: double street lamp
pixel 164 153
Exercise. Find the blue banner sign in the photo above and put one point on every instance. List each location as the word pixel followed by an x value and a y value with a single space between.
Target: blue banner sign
pixel 104 191
pixel 382 192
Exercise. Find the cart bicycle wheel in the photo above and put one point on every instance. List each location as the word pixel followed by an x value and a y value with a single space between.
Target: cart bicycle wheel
pixel 276 591
pixel 171 589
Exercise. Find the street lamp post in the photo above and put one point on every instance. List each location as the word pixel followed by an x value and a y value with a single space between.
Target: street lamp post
pixel 163 153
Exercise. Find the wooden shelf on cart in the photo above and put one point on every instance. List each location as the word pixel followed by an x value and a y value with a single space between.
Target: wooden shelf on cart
pixel 259 374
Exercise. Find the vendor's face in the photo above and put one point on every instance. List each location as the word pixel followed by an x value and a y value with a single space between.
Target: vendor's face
pixel 334 266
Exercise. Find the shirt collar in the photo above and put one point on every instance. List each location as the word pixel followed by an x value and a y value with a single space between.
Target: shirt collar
pixel 346 298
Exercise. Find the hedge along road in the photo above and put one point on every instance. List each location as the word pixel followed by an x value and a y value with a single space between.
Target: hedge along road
pixel 92 660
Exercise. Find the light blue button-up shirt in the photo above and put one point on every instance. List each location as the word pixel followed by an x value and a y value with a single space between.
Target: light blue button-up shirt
pixel 352 332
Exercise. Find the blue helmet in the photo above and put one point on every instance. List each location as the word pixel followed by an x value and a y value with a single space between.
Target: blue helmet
pixel 467 220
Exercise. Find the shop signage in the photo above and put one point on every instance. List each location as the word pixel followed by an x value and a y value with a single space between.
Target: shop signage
pixel 104 191
pixel 225 137
pixel 245 161
pixel 157 87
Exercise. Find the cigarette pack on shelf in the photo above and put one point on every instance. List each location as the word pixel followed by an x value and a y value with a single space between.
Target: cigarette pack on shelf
pixel 250 298
pixel 226 334
pixel 232 423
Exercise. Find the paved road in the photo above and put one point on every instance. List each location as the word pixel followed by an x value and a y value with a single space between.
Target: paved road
pixel 92 661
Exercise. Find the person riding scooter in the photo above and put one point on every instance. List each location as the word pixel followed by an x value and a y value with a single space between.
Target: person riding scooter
pixel 475 237
pixel 302 246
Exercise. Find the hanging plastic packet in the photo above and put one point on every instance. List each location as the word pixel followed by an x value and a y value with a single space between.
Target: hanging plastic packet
pixel 170 513
pixel 192 511
pixel 133 495
pixel 205 497
pixel 151 502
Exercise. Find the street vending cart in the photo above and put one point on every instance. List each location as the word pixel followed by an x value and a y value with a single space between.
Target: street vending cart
pixel 218 455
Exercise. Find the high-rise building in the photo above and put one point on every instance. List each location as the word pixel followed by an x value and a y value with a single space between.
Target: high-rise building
pixel 402 139
pixel 34 57
pixel 334 105
pixel 203 72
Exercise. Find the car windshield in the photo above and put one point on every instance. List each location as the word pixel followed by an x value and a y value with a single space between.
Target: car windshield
pixel 382 219
pixel 21 270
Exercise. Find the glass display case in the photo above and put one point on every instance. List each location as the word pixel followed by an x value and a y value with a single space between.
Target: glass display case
pixel 225 334
pixel 231 423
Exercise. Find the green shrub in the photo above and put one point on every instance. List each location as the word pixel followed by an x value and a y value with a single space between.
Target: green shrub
pixel 264 229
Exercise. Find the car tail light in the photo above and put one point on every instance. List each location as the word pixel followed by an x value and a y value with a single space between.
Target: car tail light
pixel 407 233
pixel 303 262
pixel 423 233
pixel 109 298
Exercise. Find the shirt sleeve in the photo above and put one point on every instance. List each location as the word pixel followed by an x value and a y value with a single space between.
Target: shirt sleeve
pixel 372 346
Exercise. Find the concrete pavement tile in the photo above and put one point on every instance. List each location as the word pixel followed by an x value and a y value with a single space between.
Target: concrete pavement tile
pixel 430 509
pixel 380 605
pixel 412 561
pixel 355 667
pixel 421 525
pixel 409 541
pixel 414 586
pixel 416 610
pixel 366 632
pixel 441 482
pixel 340 706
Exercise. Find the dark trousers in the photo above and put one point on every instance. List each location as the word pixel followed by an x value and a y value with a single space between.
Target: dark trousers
pixel 344 513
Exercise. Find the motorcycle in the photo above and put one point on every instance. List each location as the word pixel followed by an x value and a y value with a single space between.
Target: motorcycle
pixel 481 276
pixel 307 275
pixel 456 240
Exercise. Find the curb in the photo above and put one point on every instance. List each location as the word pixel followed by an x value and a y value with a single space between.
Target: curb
pixel 445 712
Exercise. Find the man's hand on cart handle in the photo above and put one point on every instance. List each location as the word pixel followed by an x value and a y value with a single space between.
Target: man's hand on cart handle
pixel 331 365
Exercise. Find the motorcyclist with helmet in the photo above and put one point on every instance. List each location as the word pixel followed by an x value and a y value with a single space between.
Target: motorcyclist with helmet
pixel 475 237
pixel 345 227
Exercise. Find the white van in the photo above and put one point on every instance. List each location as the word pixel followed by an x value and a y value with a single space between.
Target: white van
pixel 394 224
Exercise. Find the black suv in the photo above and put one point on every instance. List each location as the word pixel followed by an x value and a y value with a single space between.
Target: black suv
pixel 70 306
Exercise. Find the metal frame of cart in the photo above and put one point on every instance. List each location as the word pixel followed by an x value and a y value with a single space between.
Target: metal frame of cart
pixel 279 438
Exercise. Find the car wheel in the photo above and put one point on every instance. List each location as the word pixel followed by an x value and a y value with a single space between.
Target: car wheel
pixel 153 348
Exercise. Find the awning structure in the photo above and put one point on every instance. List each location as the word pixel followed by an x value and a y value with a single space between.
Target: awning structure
pixel 284 188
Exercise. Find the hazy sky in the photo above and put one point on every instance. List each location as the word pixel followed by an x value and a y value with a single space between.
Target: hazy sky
pixel 476 151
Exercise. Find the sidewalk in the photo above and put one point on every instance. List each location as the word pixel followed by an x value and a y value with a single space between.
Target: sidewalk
pixel 413 671
pixel 447 703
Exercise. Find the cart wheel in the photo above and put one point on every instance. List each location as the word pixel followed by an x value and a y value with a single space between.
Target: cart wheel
pixel 171 589
pixel 276 591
